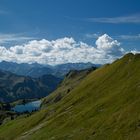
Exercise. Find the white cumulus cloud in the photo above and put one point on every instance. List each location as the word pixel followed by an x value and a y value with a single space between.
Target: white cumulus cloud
pixel 63 50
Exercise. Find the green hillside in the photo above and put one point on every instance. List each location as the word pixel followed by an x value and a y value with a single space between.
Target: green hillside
pixel 71 80
pixel 105 105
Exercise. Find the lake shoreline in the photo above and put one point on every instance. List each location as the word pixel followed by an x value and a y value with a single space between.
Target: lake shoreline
pixel 27 107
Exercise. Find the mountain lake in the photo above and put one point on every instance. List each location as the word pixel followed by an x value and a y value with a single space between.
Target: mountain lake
pixel 27 107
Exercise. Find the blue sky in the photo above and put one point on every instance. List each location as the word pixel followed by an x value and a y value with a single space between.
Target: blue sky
pixel 83 20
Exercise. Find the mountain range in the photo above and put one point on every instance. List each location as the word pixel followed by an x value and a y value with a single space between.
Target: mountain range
pixel 30 81
pixel 36 70
pixel 14 87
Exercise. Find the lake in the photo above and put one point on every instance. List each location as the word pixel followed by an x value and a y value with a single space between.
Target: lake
pixel 30 106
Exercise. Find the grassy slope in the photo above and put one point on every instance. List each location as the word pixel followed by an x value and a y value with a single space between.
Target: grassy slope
pixel 104 106
pixel 71 80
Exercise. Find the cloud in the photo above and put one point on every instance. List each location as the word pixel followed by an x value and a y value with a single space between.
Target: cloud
pixel 108 45
pixel 63 50
pixel 6 38
pixel 90 36
pixel 129 37
pixel 135 51
pixel 135 19
pixel 105 42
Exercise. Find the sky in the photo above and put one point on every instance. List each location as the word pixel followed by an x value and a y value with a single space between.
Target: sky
pixel 62 31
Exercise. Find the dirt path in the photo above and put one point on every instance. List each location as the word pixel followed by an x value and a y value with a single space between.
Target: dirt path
pixel 27 133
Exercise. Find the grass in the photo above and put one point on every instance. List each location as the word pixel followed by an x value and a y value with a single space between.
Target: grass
pixel 103 106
